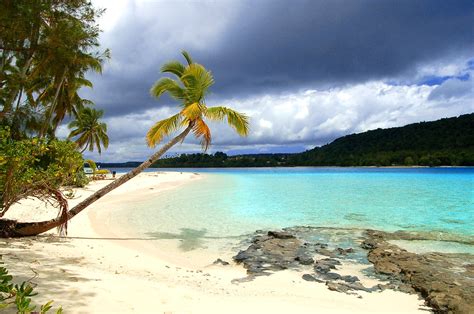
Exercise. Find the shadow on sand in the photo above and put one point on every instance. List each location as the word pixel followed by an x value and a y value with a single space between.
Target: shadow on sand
pixel 190 239
pixel 53 276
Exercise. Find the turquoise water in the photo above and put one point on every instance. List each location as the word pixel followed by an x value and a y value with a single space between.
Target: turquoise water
pixel 232 202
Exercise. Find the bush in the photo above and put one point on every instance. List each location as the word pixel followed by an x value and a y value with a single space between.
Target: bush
pixel 36 167
pixel 20 295
pixel 79 180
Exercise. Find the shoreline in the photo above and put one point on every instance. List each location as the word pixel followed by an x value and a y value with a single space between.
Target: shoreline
pixel 177 169
pixel 93 269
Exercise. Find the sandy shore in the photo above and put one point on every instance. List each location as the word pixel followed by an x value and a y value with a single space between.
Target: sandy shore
pixel 98 269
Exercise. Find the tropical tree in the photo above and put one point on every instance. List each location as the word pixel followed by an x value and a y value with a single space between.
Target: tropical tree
pixel 36 168
pixel 190 87
pixel 88 131
pixel 46 48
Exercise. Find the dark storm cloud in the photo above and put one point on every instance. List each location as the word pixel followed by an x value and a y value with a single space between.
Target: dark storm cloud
pixel 293 44
pixel 305 71
pixel 275 46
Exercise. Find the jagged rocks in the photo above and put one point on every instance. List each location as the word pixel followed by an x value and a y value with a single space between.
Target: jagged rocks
pixel 309 277
pixel 304 259
pixel 220 261
pixel 325 265
pixel 241 256
pixel 271 252
pixel 280 235
pixel 350 279
pixel 444 280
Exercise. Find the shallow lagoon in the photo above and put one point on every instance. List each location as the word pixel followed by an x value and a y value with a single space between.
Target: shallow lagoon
pixel 227 203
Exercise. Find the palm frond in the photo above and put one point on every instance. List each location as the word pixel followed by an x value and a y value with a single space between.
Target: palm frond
pixel 103 134
pixel 197 81
pixel 191 89
pixel 188 58
pixel 238 121
pixel 166 84
pixel 73 133
pixel 174 67
pixel 87 130
pixel 163 128
pixel 96 140
pixel 83 82
pixel 93 63
pixel 194 111
pixel 201 130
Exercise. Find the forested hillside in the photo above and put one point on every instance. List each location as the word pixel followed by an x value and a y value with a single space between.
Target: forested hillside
pixel 445 142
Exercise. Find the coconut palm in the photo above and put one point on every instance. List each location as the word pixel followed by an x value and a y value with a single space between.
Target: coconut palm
pixel 60 89
pixel 88 131
pixel 190 88
pixel 47 50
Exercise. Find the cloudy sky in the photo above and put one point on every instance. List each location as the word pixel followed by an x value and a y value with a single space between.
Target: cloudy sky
pixel 306 72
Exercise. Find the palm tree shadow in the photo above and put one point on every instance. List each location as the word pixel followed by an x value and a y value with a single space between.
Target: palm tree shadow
pixel 190 239
pixel 52 276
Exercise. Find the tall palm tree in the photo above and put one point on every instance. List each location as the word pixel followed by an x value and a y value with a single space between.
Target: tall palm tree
pixel 60 77
pixel 59 93
pixel 47 47
pixel 190 88
pixel 88 130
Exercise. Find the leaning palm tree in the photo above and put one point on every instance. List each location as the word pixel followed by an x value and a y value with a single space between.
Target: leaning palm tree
pixel 190 88
pixel 88 131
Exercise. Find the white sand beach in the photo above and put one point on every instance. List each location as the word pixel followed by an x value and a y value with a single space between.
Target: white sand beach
pixel 98 269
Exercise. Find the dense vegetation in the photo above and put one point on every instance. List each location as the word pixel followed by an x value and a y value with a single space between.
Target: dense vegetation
pixel 446 142
pixel 190 85
pixel 46 49
pixel 220 159
pixel 37 167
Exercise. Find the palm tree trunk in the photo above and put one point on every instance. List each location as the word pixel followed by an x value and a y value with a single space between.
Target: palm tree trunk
pixel 49 112
pixel 8 105
pixel 9 228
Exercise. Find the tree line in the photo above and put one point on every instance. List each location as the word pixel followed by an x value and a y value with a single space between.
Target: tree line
pixel 446 142
pixel 46 49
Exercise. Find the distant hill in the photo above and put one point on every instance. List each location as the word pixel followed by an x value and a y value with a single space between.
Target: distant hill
pixel 448 141
pixel 445 142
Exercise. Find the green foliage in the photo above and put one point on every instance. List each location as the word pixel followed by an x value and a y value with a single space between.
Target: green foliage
pixel 190 88
pixel 80 180
pixel 20 295
pixel 88 131
pixel 35 167
pixel 46 49
pixel 446 142
pixel 220 159
pixel 92 164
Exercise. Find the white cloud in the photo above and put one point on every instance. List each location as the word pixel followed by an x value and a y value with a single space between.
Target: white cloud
pixel 454 89
pixel 306 118
pixel 144 34
pixel 449 67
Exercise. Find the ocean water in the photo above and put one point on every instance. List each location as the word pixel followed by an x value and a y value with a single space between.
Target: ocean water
pixel 227 203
